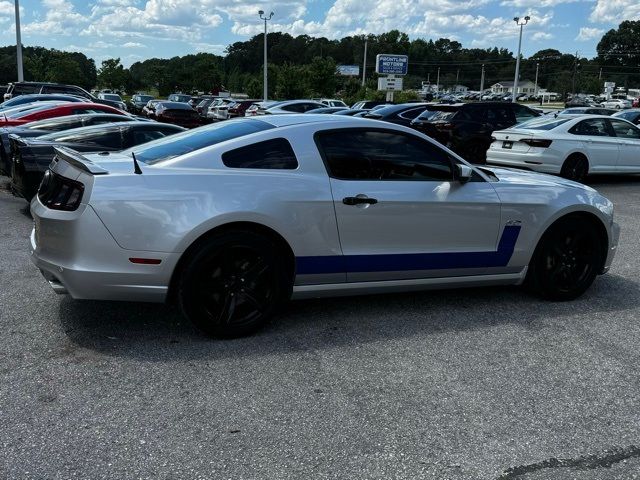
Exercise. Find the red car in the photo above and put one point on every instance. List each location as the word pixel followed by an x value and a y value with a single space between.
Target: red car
pixel 50 111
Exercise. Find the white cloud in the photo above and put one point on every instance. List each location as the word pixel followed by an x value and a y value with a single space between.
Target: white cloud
pixel 134 45
pixel 615 11
pixel 536 3
pixel 587 33
pixel 60 19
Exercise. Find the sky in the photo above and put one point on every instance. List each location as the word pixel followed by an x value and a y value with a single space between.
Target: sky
pixel 138 29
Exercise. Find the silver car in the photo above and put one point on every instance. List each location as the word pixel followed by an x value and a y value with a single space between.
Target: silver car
pixel 234 218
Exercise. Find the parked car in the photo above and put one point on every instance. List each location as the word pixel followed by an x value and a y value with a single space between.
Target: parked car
pixel 50 125
pixel 635 103
pixel 232 220
pixel 24 88
pixel 258 108
pixel 289 107
pixel 327 110
pixel 587 111
pixel 352 111
pixel 218 110
pixel 149 109
pixel 616 103
pixel 179 97
pixel 27 99
pixel 368 104
pixel 401 114
pixel 466 128
pixel 239 108
pixel 331 102
pixel 178 113
pixel 571 146
pixel 632 116
pixel 30 157
pixel 114 99
pixel 50 111
pixel 138 102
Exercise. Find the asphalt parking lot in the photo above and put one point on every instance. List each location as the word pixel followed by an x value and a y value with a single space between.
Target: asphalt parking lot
pixel 468 384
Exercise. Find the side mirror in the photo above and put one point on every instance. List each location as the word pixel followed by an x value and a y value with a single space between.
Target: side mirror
pixel 464 172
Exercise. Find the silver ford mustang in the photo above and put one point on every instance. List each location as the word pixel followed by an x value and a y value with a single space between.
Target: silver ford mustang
pixel 232 219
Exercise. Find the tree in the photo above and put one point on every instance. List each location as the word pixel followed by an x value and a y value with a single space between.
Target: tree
pixel 63 69
pixel 618 50
pixel 112 74
pixel 321 77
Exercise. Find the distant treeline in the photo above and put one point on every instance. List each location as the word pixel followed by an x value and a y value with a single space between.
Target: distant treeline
pixel 304 66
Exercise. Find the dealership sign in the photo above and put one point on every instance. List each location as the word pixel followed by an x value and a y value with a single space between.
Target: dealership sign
pixel 387 64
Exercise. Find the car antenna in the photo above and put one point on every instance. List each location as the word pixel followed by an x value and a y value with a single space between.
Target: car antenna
pixel 136 167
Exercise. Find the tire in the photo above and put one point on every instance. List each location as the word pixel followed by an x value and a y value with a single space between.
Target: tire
pixel 576 168
pixel 233 284
pixel 566 260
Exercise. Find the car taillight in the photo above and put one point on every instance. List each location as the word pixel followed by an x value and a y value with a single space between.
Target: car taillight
pixel 535 142
pixel 60 193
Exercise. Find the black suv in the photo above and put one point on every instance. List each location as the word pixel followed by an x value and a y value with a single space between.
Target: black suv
pixel 23 88
pixel 466 128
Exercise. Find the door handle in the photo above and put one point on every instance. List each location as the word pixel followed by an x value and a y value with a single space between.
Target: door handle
pixel 359 200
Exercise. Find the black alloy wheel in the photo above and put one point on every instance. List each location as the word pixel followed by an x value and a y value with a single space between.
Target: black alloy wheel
pixel 233 285
pixel 575 168
pixel 566 260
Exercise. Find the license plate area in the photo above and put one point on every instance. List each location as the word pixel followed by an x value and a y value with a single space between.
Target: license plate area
pixel 507 144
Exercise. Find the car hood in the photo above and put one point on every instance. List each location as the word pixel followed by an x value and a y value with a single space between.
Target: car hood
pixel 525 177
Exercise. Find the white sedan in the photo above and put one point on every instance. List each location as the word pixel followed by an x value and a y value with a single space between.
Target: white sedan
pixel 233 218
pixel 571 146
pixel 616 103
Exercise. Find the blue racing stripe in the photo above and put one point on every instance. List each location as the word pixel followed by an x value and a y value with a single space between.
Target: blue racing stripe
pixel 412 261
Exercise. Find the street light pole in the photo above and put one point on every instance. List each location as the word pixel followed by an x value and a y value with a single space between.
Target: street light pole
pixel 522 23
pixel 19 42
pixel 482 83
pixel 438 81
pixel 265 18
pixel 364 61
pixel 535 89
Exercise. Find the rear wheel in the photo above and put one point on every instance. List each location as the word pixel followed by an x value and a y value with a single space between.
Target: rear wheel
pixel 233 284
pixel 566 260
pixel 576 168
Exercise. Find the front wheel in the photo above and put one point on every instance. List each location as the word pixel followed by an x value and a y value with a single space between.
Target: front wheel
pixel 566 260
pixel 233 284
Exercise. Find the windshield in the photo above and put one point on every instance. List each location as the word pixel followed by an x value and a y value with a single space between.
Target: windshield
pixel 28 109
pixel 110 96
pixel 73 134
pixel 181 143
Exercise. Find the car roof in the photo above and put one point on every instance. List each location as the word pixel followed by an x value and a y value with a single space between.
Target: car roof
pixel 300 118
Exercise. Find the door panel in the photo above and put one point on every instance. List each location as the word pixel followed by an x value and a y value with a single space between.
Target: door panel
pixel 416 229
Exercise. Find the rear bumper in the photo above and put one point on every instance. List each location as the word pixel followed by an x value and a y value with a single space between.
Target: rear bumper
pixel 77 255
pixel 536 160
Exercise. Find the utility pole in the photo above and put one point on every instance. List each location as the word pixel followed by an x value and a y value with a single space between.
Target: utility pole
pixel 265 18
pixel 457 75
pixel 515 80
pixel 438 81
pixel 364 61
pixel 482 82
pixel 19 43
pixel 535 88
pixel 575 71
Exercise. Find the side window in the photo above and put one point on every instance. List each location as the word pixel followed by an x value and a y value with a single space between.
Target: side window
pixel 625 130
pixel 275 154
pixel 112 139
pixel 411 114
pixel 357 154
pixel 500 115
pixel 523 113
pixel 25 89
pixel 595 127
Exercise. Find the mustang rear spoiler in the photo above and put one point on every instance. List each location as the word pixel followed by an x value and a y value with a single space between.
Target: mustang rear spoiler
pixel 79 161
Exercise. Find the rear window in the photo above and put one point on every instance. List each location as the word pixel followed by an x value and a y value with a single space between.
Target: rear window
pixel 275 154
pixel 442 115
pixel 545 124
pixel 113 97
pixel 192 140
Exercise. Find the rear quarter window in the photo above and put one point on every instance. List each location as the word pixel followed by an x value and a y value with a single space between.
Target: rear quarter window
pixel 275 154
